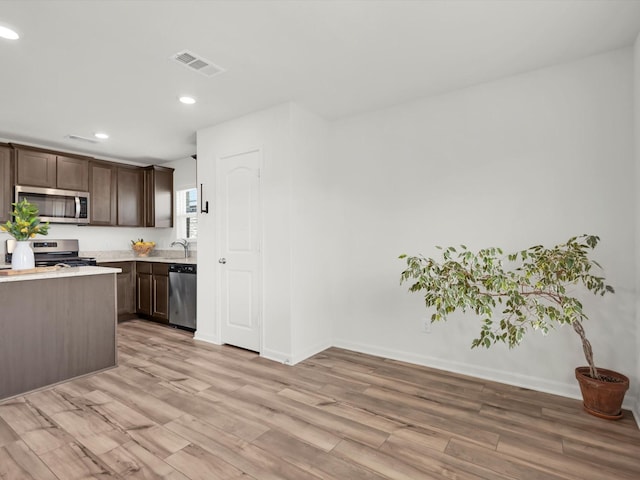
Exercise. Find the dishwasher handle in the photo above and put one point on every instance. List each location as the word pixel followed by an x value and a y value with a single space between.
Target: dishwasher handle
pixel 183 268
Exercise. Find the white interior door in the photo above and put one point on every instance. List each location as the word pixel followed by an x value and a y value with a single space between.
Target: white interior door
pixel 238 207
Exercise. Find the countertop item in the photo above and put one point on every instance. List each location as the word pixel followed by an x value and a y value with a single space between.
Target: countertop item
pixel 8 271
pixel 60 273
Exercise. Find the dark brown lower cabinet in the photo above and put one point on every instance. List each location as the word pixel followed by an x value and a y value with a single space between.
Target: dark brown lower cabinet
pixel 160 292
pixel 152 287
pixel 126 291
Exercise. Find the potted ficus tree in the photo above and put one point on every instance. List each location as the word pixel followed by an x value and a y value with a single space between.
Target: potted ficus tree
pixel 527 290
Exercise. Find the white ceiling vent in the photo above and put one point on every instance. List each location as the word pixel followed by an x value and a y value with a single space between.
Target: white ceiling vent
pixel 197 63
pixel 82 139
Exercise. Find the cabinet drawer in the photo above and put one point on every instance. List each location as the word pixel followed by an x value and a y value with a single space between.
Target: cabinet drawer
pixel 144 267
pixel 160 268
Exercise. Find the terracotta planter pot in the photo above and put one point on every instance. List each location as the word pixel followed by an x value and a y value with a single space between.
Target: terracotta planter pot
pixel 602 399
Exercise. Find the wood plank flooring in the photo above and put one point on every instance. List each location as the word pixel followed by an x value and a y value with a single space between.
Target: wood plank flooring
pixel 180 409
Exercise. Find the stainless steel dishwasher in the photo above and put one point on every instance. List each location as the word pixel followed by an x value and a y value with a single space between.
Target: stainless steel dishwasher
pixel 182 295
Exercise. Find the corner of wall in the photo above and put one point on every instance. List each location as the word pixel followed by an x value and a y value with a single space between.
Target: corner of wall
pixel 207 338
pixel 310 352
pixel 276 356
pixel 636 132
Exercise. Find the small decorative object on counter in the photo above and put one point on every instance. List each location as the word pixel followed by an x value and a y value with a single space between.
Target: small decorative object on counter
pixel 25 225
pixel 142 248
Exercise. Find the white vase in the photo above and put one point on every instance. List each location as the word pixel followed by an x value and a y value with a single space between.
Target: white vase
pixel 22 256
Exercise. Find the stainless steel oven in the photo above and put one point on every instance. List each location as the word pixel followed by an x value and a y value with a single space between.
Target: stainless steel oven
pixel 57 206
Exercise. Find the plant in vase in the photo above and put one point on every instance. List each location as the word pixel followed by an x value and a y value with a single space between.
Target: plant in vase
pixel 25 225
pixel 530 288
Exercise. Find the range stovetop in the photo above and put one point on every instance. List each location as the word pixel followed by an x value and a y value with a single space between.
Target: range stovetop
pixel 53 252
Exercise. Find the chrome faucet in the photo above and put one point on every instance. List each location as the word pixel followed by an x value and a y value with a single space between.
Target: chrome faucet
pixel 184 244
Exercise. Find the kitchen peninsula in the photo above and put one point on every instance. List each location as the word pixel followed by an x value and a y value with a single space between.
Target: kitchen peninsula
pixel 56 325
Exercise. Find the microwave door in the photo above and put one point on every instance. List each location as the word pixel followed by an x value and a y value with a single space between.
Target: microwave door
pixel 54 206
pixel 57 207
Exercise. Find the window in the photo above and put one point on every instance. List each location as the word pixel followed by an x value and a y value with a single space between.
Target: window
pixel 187 213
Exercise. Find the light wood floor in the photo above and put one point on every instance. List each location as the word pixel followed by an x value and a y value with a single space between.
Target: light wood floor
pixel 180 409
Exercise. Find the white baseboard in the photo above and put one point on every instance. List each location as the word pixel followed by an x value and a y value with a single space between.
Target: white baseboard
pixel 206 338
pixel 310 352
pixel 524 381
pixel 289 359
pixel 276 356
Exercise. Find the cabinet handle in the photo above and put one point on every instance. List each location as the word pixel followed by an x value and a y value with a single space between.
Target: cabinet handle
pixel 202 202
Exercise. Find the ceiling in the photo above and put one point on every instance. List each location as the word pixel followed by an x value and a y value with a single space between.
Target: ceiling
pixel 87 66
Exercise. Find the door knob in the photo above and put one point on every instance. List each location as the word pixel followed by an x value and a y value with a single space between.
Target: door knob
pixel 222 260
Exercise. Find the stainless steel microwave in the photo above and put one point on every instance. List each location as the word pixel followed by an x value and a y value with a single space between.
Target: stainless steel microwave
pixel 57 206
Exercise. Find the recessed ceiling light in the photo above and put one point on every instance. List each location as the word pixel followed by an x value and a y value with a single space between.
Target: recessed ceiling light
pixel 188 100
pixel 101 136
pixel 7 33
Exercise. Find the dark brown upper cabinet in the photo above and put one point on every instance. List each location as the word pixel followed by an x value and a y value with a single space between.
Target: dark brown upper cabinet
pixel 35 168
pixel 120 195
pixel 158 196
pixel 130 196
pixel 41 168
pixel 6 183
pixel 72 173
pixel 103 187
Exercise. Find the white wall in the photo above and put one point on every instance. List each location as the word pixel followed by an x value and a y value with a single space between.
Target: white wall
pixel 269 131
pixel 102 238
pixel 295 249
pixel 636 84
pixel 184 176
pixel 529 159
pixel 313 244
pixel 110 238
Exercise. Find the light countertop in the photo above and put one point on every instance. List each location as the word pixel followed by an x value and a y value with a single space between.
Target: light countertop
pixel 61 273
pixel 134 258
pixel 162 256
pixel 128 256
